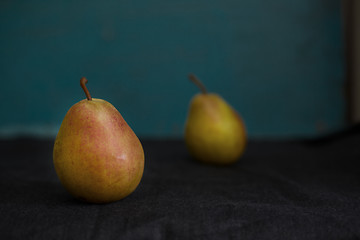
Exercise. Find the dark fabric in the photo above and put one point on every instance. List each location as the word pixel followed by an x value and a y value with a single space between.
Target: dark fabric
pixel 303 189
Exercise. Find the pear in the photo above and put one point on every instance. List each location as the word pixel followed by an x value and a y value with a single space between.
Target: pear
pixel 214 132
pixel 97 156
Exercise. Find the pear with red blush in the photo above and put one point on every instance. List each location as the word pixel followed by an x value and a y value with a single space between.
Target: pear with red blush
pixel 97 156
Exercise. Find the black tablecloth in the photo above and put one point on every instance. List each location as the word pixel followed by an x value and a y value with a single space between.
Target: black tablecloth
pixel 302 189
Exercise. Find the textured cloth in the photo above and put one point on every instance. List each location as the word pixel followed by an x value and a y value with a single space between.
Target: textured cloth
pixel 299 189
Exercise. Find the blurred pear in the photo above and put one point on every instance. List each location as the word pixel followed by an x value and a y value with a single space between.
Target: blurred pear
pixel 214 132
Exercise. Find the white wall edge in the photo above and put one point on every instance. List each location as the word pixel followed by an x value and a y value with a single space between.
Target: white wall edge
pixel 37 131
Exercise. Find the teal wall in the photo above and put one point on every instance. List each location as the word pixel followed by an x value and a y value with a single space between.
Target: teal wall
pixel 279 63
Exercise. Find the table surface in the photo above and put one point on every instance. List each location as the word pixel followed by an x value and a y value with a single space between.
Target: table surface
pixel 298 189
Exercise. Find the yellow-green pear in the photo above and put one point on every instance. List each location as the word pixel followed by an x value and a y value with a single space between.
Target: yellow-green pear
pixel 97 156
pixel 214 131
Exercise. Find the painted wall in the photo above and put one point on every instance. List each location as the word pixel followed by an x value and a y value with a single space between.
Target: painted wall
pixel 279 63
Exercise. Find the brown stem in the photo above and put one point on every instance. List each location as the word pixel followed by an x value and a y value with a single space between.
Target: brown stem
pixel 83 81
pixel 198 83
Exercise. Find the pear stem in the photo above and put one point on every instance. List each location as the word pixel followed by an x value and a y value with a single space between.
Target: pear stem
pixel 198 83
pixel 83 81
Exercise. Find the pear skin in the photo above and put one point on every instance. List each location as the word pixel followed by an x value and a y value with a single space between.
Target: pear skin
pixel 214 132
pixel 97 156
